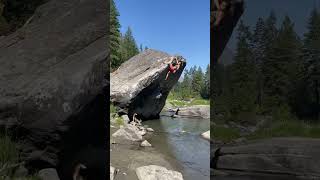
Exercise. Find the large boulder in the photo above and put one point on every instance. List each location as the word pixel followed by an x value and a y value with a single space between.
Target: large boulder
pixel 139 85
pixel 52 85
pixel 281 157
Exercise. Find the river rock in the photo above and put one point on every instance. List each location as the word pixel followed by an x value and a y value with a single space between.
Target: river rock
pixel 112 172
pixel 52 85
pixel 142 132
pixel 198 111
pixel 145 143
pixel 153 172
pixel 293 157
pixel 48 174
pixel 125 119
pixel 128 132
pixel 139 85
pixel 150 130
pixel 206 135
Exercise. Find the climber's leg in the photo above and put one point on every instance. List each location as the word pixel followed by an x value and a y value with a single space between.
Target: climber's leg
pixel 167 75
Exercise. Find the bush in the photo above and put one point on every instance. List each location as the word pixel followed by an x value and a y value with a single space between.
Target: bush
pixel 112 109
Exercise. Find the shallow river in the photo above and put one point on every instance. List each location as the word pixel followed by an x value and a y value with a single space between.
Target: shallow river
pixel 179 139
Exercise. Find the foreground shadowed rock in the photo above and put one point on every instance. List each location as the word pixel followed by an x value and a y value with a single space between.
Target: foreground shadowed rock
pixel 223 20
pixel 276 157
pixel 139 85
pixel 52 81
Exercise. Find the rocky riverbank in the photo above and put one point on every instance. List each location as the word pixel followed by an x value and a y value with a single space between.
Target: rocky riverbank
pixel 132 156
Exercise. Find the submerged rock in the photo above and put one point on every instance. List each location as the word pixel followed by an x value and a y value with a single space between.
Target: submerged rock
pixel 206 135
pixel 145 143
pixel 153 172
pixel 150 130
pixel 139 85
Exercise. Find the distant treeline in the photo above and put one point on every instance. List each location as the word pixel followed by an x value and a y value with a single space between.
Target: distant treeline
pixel 195 84
pixel 122 46
pixel 274 71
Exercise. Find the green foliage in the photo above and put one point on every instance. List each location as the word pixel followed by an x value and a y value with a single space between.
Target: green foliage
pixel 128 46
pixel 225 134
pixel 119 121
pixel 195 84
pixel 205 88
pixel 282 66
pixel 176 102
pixel 309 83
pixel 243 81
pixel 9 159
pixel 273 73
pixel 291 128
pixel 115 36
pixel 8 154
pixel 122 47
pixel 112 109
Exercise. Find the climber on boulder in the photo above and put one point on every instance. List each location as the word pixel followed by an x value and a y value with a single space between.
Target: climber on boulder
pixel 173 66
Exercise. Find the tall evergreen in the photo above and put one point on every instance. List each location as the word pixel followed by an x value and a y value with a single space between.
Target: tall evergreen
pixel 258 50
pixel 311 80
pixel 128 46
pixel 243 81
pixel 197 80
pixel 270 34
pixel 205 89
pixel 114 36
pixel 283 66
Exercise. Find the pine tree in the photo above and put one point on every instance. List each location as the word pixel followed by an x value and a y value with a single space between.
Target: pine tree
pixel 310 82
pixel 128 46
pixel 197 81
pixel 114 36
pixel 270 33
pixel 258 50
pixel 282 67
pixel 186 85
pixel 243 77
pixel 205 89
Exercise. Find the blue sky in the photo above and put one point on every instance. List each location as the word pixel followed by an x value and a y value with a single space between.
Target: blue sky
pixel 298 10
pixel 173 26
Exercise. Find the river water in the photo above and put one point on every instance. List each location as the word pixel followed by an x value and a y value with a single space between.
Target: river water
pixel 179 139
